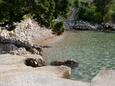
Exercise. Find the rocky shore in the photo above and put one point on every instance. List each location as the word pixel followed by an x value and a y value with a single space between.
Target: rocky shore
pixel 24 38
pixel 22 63
pixel 21 57
pixel 84 25
pixel 13 71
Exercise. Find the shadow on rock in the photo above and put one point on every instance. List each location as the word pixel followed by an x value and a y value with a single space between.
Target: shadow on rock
pixel 9 45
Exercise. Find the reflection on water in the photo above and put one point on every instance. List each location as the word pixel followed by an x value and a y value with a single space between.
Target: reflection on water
pixel 93 51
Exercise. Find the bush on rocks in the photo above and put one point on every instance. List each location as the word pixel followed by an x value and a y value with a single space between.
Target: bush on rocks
pixel 58 28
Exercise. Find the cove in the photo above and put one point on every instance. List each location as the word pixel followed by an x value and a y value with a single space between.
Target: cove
pixel 93 50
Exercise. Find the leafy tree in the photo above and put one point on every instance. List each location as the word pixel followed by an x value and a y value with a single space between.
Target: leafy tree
pixel 102 6
pixel 96 11
pixel 44 11
pixel 62 7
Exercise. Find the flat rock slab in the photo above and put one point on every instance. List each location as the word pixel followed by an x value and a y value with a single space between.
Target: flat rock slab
pixel 36 79
pixel 13 72
pixel 61 71
pixel 104 78
pixel 8 59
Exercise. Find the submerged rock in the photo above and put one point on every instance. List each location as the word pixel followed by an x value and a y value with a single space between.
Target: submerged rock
pixel 70 63
pixel 45 46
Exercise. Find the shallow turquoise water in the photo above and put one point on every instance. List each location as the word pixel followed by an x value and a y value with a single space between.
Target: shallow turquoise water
pixel 93 51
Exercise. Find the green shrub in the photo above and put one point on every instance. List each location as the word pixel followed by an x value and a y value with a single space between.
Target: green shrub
pixel 98 11
pixel 43 11
pixel 89 14
pixel 58 28
pixel 113 17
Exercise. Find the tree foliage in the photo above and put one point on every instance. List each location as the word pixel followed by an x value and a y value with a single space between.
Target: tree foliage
pixel 96 10
pixel 58 28
pixel 44 11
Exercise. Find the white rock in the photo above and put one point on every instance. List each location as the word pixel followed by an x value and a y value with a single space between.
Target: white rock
pixel 104 78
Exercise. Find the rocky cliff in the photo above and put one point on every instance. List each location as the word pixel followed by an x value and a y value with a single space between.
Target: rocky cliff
pixel 24 38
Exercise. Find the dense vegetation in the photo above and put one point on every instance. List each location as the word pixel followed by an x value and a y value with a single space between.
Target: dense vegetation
pixel 43 11
pixel 96 10
pixel 46 11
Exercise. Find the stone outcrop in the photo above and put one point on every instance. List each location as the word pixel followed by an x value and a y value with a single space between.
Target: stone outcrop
pixel 106 27
pixel 79 25
pixel 13 44
pixel 24 38
pixel 84 25
pixel 33 62
pixel 30 31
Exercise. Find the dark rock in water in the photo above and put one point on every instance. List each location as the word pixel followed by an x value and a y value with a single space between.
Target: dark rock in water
pixel 45 46
pixel 34 62
pixel 70 63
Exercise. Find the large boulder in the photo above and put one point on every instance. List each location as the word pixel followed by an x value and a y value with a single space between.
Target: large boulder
pixel 34 62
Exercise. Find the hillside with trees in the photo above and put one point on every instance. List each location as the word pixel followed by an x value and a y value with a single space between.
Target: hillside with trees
pixel 46 11
pixel 96 10
pixel 43 11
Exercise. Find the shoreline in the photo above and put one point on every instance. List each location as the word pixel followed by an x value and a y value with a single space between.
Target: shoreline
pixel 51 40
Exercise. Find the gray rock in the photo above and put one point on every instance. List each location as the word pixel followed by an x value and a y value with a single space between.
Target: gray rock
pixel 22 45
pixel 7 48
pixel 19 51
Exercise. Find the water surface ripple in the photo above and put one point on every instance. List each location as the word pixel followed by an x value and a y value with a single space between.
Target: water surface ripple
pixel 93 51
